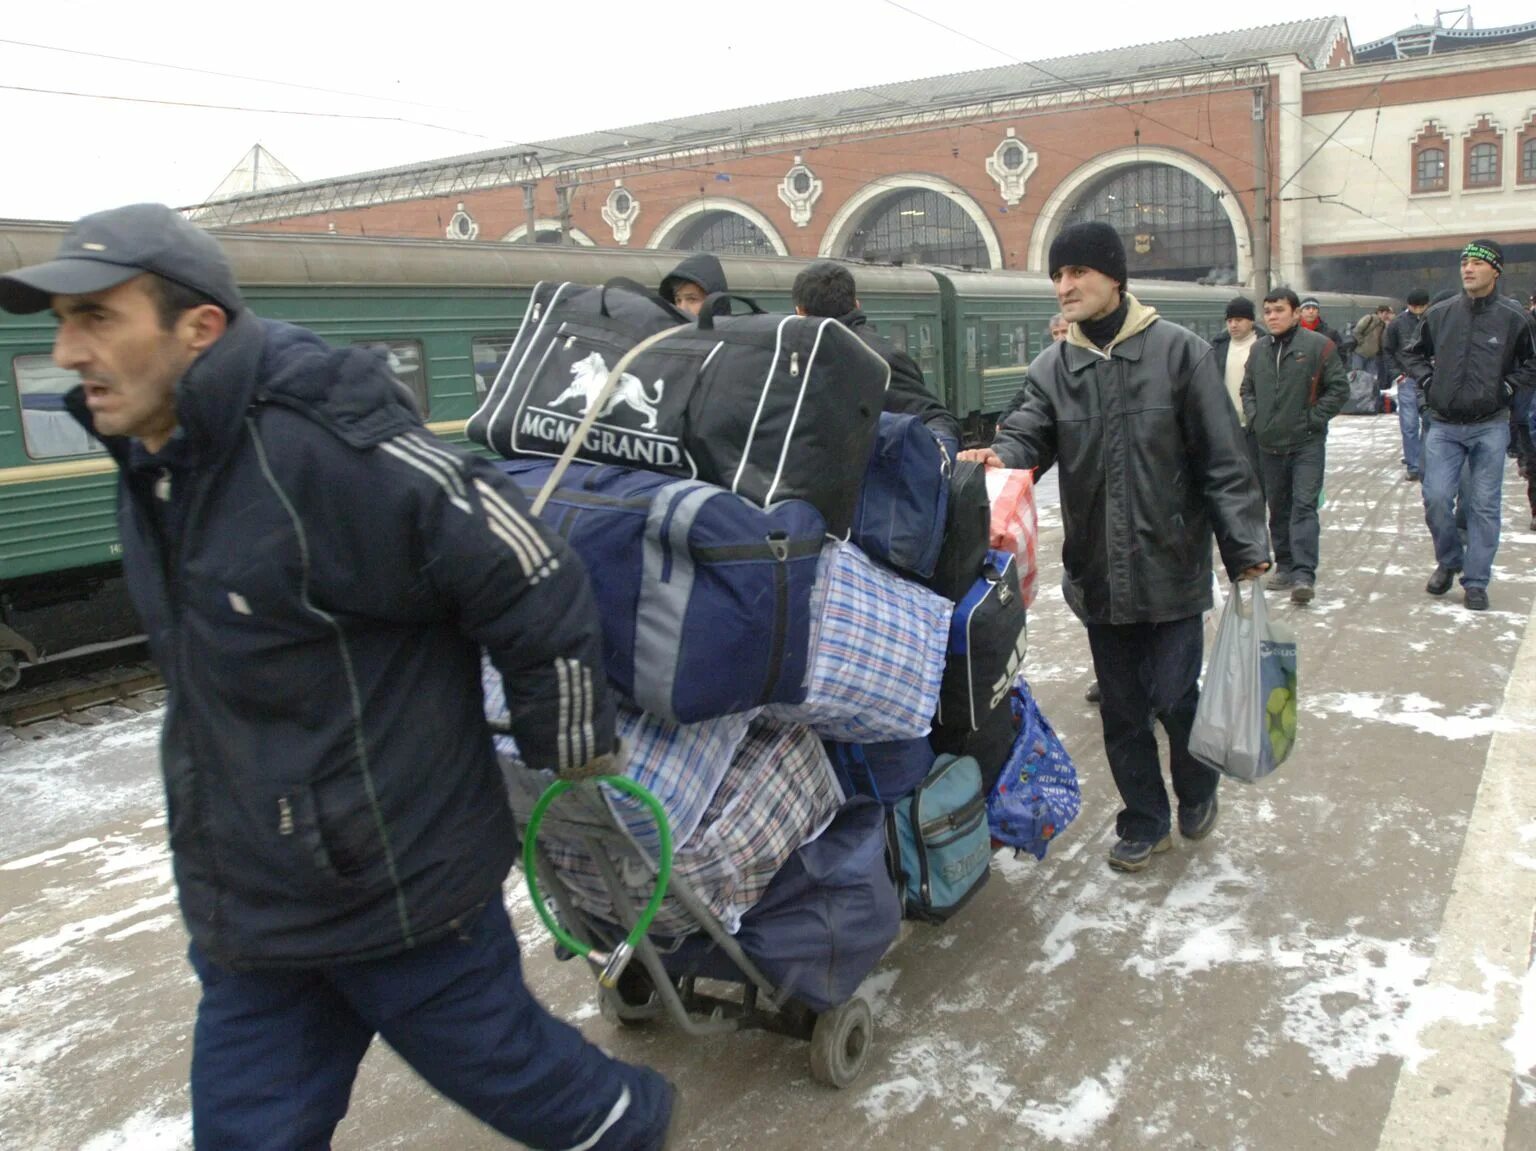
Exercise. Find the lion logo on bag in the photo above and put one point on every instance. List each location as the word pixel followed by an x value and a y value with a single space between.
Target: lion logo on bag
pixel 590 376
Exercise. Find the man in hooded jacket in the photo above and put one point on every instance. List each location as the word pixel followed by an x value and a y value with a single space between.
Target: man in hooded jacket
pixel 695 278
pixel 317 576
pixel 1136 414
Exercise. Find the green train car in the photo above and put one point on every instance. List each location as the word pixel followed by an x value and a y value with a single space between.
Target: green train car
pixel 444 314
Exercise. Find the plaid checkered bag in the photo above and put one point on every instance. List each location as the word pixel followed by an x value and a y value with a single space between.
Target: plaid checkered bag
pixel 878 645
pixel 779 793
pixel 680 764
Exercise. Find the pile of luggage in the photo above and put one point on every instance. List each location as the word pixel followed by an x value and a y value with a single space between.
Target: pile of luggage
pixel 814 639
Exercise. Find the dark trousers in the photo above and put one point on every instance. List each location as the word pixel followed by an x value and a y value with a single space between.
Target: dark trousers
pixel 1150 672
pixel 275 1052
pixel 1524 445
pixel 1293 481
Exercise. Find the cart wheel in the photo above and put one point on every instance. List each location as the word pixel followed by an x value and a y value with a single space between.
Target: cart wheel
pixel 840 1043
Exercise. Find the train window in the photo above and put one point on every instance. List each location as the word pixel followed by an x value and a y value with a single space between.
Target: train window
pixel 46 428
pixel 992 354
pixel 487 353
pixel 409 366
pixel 1021 344
pixel 925 347
pixel 970 347
pixel 898 336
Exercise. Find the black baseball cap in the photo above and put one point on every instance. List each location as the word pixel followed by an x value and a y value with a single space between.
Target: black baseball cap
pixel 105 249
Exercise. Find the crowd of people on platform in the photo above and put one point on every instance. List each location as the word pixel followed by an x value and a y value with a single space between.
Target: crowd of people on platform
pixel 229 428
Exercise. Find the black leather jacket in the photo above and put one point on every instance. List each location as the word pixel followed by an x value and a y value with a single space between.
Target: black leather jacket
pixel 1152 459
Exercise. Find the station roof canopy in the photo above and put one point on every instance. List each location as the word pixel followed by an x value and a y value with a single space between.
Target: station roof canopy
pixel 1311 41
pixel 1433 40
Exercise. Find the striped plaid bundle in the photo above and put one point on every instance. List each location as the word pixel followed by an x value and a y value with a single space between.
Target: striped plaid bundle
pixel 680 764
pixel 779 793
pixel 878 645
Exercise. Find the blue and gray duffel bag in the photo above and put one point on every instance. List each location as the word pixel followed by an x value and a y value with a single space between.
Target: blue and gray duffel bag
pixel 704 597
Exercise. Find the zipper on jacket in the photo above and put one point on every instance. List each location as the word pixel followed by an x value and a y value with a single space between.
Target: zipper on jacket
pixel 794 363
pixel 284 816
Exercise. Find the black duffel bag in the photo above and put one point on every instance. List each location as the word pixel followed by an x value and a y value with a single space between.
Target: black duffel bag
pixel 770 407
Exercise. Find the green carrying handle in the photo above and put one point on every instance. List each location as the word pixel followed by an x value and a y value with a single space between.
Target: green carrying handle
pixel 610 966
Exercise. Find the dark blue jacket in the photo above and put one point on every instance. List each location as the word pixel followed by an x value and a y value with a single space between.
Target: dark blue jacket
pixel 317 574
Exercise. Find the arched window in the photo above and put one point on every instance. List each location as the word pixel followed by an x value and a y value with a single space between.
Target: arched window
pixel 1173 226
pixel 725 233
pixel 1429 173
pixel 918 226
pixel 1483 166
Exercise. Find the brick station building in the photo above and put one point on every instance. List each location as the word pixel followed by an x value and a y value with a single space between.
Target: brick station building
pixel 1281 154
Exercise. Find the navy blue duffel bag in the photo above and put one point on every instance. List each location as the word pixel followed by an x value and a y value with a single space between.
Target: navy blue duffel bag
pixel 825 920
pixel 704 597
pixel 902 506
pixel 887 771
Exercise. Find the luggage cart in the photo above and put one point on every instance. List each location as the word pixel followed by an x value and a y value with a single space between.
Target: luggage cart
pixel 666 982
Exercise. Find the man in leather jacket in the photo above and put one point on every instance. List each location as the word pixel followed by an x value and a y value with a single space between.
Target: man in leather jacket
pixel 1136 414
pixel 1473 352
pixel 318 575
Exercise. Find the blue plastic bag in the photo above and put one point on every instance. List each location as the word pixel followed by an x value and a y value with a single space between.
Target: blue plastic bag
pixel 1036 796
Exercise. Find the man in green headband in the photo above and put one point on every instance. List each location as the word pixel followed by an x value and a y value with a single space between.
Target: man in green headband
pixel 1473 353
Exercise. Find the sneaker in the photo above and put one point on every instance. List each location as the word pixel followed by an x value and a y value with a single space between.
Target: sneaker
pixel 1441 581
pixel 1414 477
pixel 1135 854
pixel 1475 598
pixel 1092 695
pixel 1200 820
pixel 1301 593
pixel 1280 581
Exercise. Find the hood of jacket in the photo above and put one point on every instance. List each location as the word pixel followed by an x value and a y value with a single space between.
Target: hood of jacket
pixel 351 391
pixel 701 268
pixel 1138 318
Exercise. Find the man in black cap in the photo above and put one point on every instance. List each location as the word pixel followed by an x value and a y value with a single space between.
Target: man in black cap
pixel 1471 354
pixel 317 576
pixel 1294 384
pixel 1409 418
pixel 1232 349
pixel 1133 409
pixel 1311 319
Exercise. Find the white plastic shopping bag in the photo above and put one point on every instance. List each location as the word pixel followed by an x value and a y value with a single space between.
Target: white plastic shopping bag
pixel 1245 724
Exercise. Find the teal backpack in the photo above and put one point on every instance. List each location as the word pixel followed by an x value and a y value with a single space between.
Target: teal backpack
pixel 941 847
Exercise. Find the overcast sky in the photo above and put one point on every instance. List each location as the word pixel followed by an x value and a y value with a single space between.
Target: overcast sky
pixel 335 88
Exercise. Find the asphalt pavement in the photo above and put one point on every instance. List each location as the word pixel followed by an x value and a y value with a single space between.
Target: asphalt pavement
pixel 1345 963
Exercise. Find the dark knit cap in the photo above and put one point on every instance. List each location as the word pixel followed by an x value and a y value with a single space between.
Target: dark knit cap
pixel 1311 302
pixel 1488 251
pixel 1240 308
pixel 1418 298
pixel 1090 244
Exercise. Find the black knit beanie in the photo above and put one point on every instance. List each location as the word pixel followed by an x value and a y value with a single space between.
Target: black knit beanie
pixel 1240 308
pixel 1090 244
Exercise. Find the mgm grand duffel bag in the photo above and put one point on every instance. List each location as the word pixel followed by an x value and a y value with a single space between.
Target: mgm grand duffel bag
pixel 769 407
pixel 705 599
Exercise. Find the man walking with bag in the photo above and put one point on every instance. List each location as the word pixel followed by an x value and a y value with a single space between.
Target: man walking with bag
pixel 317 576
pixel 1293 385
pixel 1136 413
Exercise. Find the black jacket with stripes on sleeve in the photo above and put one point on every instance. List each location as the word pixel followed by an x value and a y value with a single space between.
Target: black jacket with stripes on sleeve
pixel 317 575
